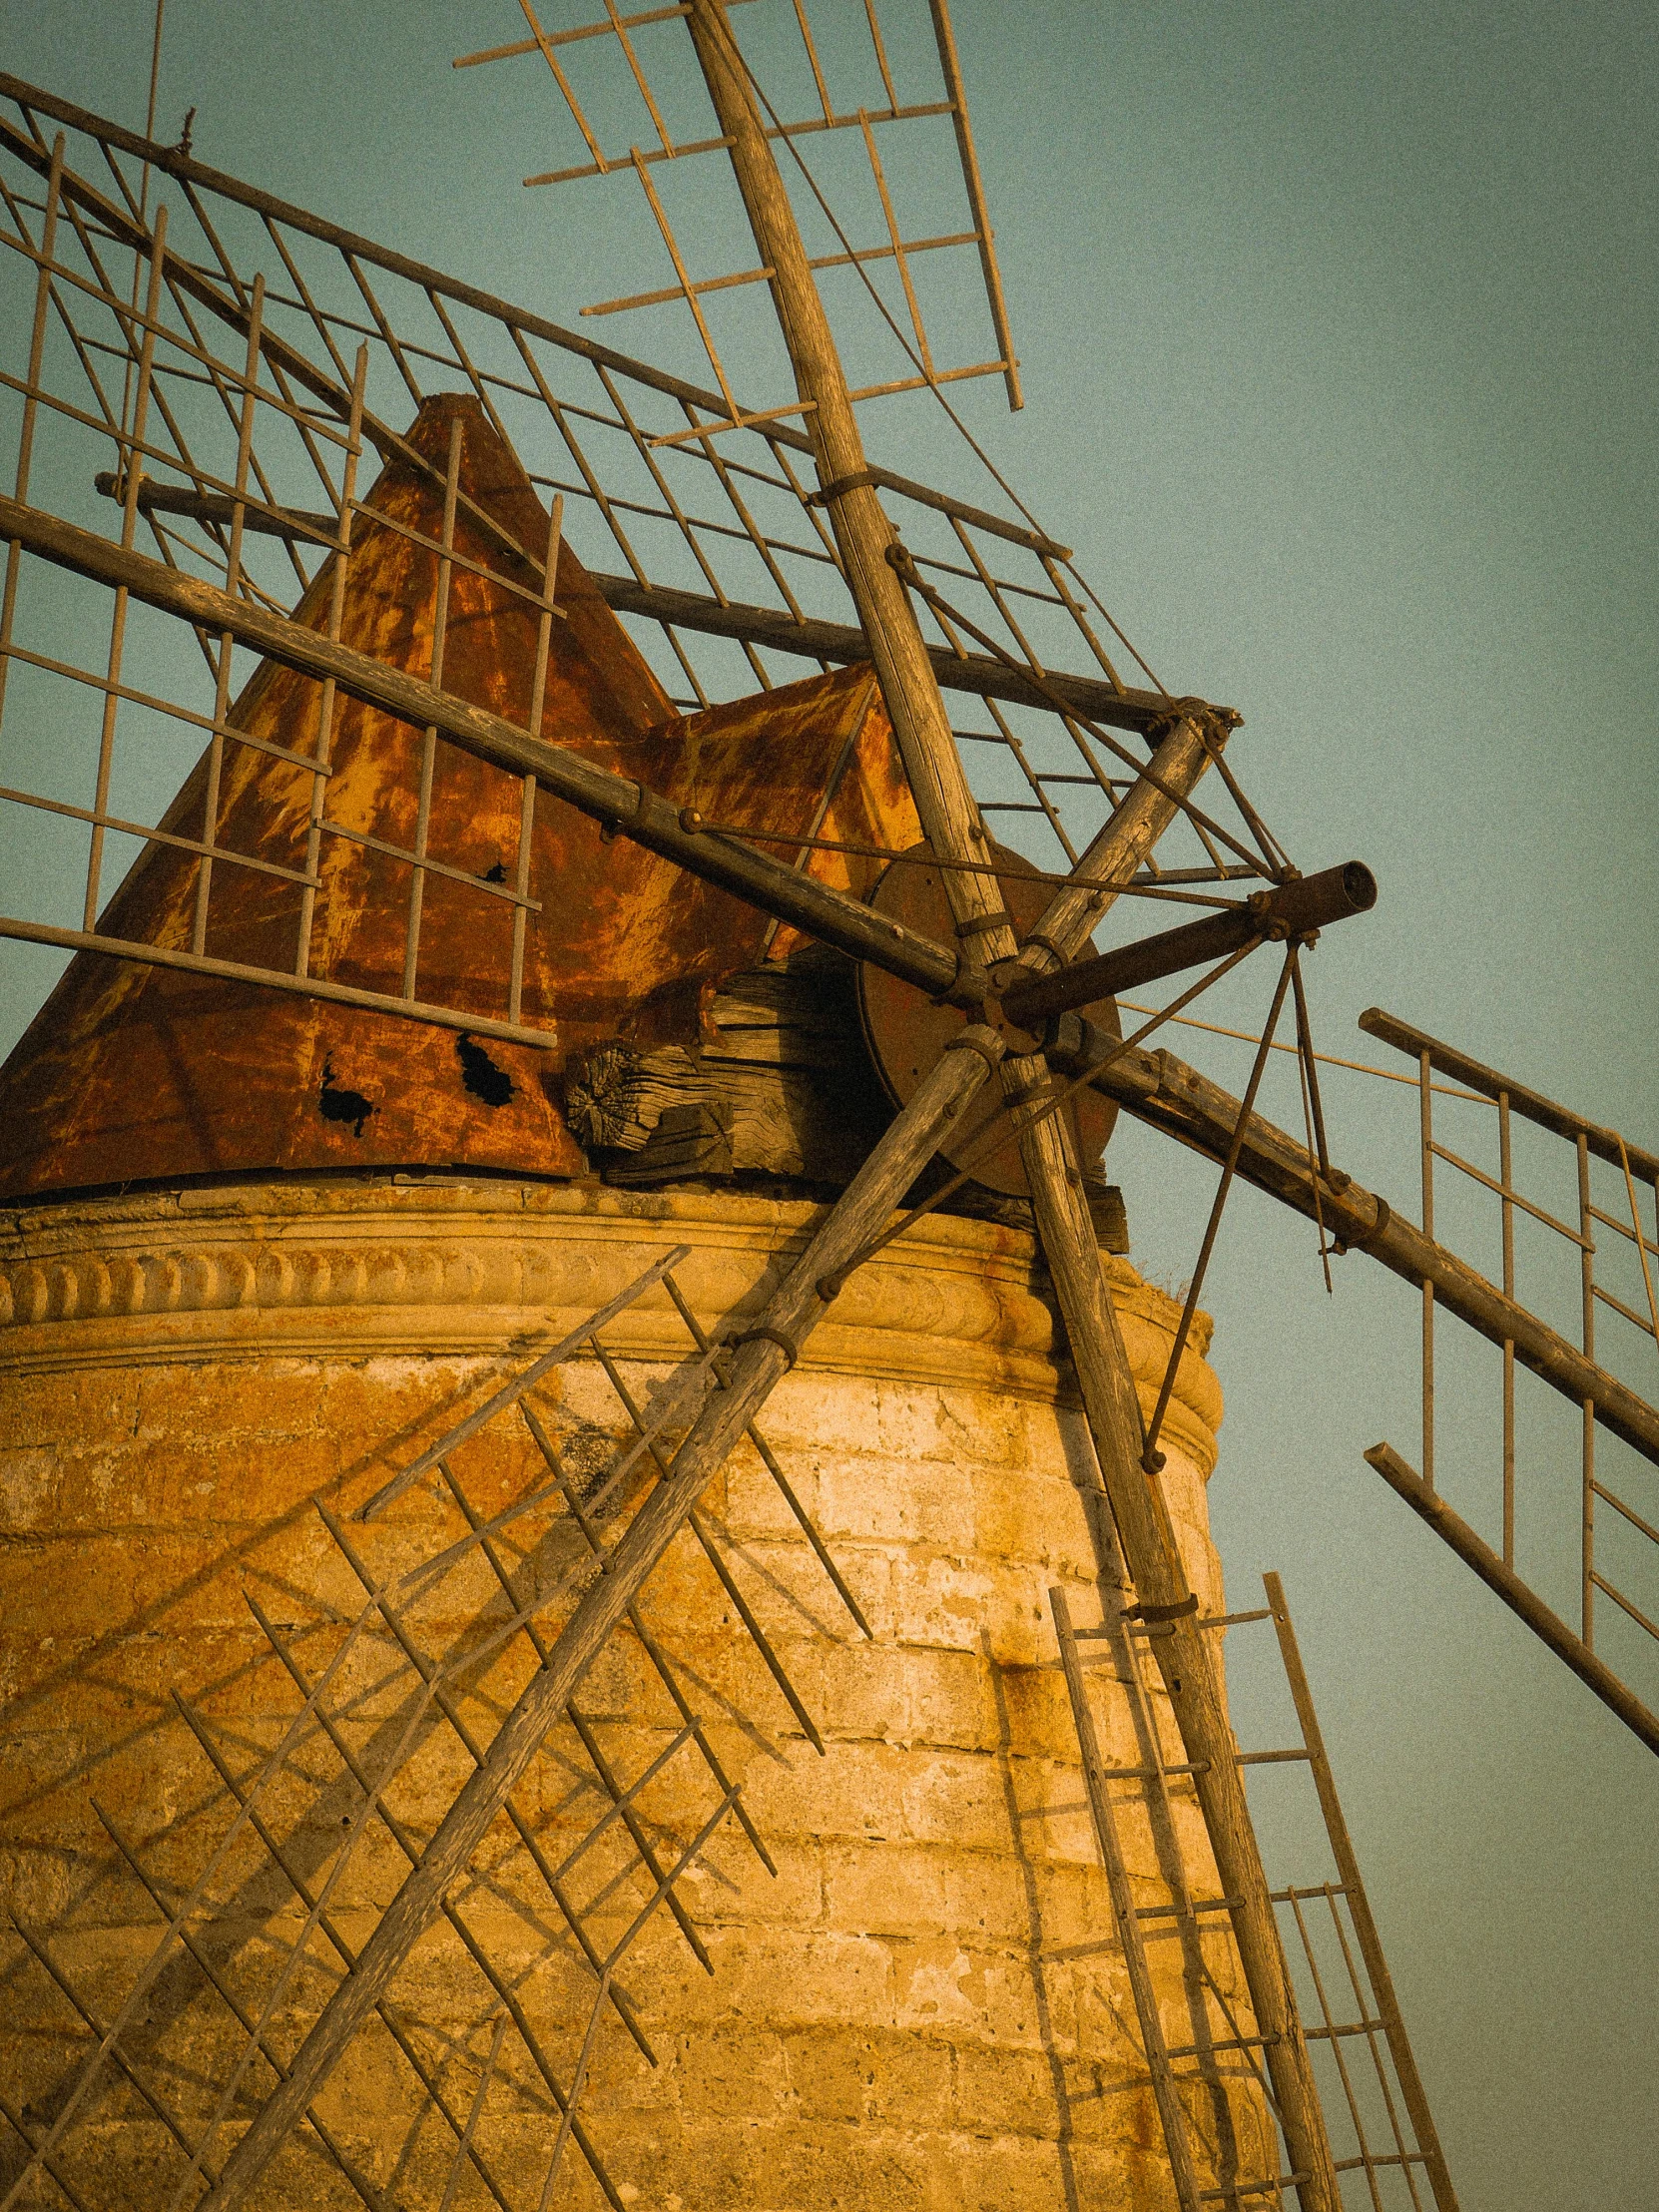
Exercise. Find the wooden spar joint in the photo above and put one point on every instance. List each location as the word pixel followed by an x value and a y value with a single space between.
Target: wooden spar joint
pixel 1215 723
pixel 1292 910
pixel 1364 1239
pixel 902 561
pixel 907 1032
pixel 968 1042
pixel 689 820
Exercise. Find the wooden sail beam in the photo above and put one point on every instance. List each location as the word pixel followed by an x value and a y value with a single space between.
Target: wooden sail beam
pixel 187 171
pixel 1160 1089
pixel 617 803
pixel 979 673
pixel 951 820
pixel 1521 1600
pixel 1138 710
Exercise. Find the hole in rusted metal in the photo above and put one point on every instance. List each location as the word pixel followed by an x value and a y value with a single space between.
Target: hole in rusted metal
pixel 335 1104
pixel 480 1075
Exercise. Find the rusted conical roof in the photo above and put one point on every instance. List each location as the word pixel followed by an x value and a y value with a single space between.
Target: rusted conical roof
pixel 137 1073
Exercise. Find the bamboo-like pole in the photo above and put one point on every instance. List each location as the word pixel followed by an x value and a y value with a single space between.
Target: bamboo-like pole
pixel 760 1358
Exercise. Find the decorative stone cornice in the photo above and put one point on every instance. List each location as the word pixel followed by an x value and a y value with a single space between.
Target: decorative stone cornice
pixel 359 1269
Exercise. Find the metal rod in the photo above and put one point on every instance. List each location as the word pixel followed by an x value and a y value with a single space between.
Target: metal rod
pixel 1211 1228
pixel 211 1975
pixel 118 619
pixel 326 702
pixel 26 430
pixel 430 736
pixel 648 1643
pixel 233 584
pixel 1506 1177
pixel 430 1676
pixel 247 1808
pixel 769 1459
pixel 1425 1121
pixel 527 797
pixel 308 986
pixel 510 1392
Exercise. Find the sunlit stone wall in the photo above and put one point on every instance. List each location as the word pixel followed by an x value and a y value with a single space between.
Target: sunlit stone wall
pixel 924 2006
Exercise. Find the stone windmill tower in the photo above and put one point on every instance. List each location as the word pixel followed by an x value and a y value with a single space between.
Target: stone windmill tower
pixel 611 1592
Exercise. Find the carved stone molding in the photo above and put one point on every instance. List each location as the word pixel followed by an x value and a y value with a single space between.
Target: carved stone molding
pixel 360 1269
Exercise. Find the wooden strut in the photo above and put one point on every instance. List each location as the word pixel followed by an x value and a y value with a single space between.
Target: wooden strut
pixel 753 1372
pixel 1548 1626
pixel 1359 1904
pixel 1160 1089
pixel 951 823
pixel 628 808
pixel 1165 2088
pixel 1122 706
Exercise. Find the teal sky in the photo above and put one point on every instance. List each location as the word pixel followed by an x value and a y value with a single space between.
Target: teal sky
pixel 1339 329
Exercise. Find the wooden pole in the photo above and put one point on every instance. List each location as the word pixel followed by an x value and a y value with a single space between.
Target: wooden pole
pixel 762 1356
pixel 1160 1089
pixel 1184 1660
pixel 950 819
pixel 1165 2089
pixel 863 534
pixel 1359 1904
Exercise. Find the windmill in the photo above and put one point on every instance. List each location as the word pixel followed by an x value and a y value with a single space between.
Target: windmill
pixel 942 925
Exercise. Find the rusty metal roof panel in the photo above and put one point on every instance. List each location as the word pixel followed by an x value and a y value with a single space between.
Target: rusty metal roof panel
pixel 138 1073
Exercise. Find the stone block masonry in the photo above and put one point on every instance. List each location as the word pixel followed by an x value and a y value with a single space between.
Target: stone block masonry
pixel 922 2009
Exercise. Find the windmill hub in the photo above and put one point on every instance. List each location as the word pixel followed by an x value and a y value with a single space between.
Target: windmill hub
pixel 906 1030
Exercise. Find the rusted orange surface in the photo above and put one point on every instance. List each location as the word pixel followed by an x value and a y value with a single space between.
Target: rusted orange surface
pixel 132 1073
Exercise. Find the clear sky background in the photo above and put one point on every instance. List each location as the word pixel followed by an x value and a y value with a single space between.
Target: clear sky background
pixel 1338 336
